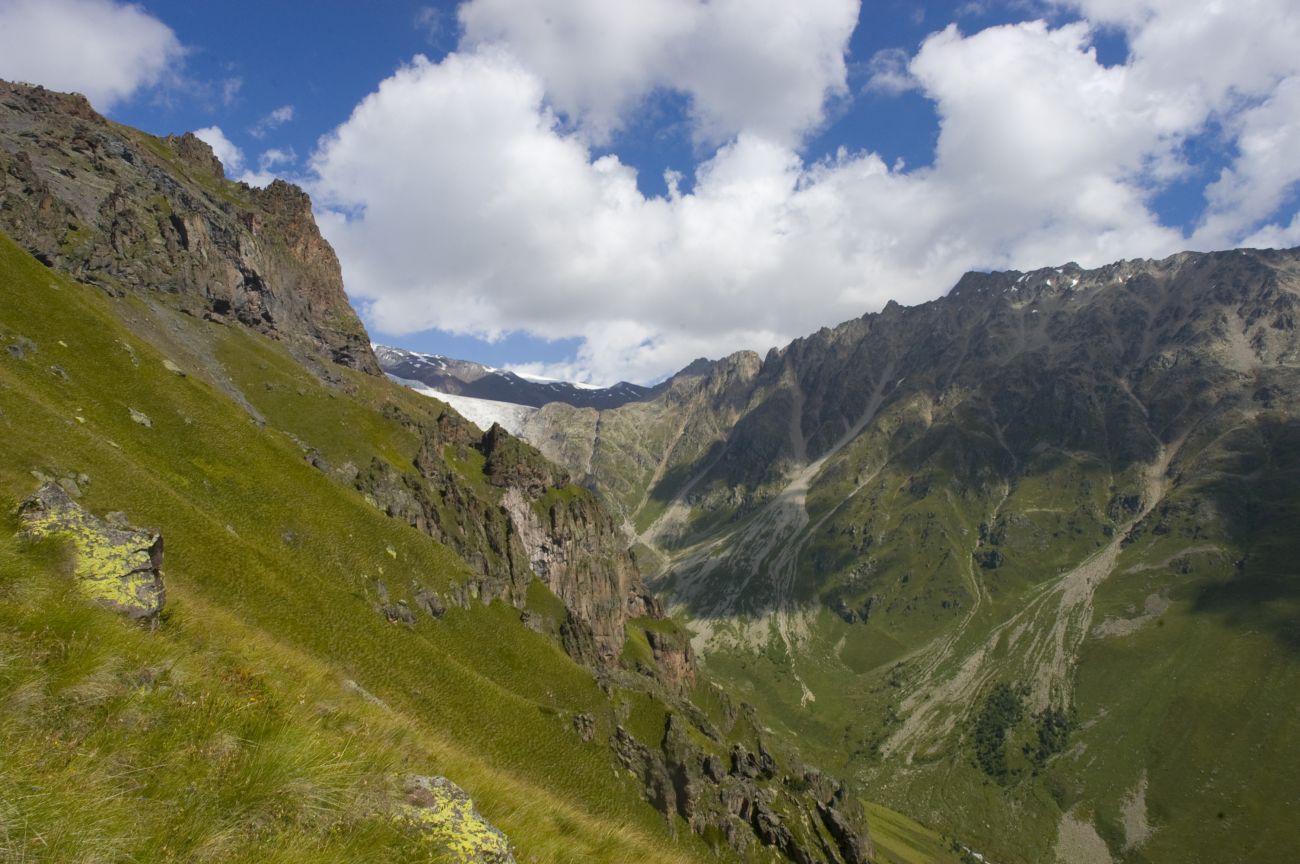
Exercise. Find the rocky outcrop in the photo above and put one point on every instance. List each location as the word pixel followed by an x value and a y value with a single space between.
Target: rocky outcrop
pixel 445 817
pixel 441 503
pixel 116 566
pixel 529 522
pixel 115 207
pixel 512 464
pixel 573 546
pixel 806 816
pixel 674 658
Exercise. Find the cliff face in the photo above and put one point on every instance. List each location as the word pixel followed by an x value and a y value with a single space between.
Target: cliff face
pixel 516 517
pixel 573 546
pixel 116 207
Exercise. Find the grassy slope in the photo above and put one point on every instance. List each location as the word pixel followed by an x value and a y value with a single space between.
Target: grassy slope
pixel 1199 699
pixel 271 572
pixel 900 840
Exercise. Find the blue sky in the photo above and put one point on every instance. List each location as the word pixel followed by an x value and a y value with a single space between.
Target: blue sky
pixel 605 191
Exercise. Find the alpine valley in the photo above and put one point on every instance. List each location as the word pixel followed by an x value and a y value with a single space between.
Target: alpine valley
pixel 1009 576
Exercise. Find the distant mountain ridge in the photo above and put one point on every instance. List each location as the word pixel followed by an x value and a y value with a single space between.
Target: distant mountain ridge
pixel 467 378
pixel 977 553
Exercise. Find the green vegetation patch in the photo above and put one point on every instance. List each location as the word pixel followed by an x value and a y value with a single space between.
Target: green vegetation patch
pixel 1003 709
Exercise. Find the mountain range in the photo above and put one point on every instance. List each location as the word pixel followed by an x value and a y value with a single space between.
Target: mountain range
pixel 467 378
pixel 1018 563
pixel 1020 558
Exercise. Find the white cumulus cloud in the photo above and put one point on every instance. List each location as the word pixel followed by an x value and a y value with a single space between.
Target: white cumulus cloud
pixel 271 121
pixel 457 199
pixel 232 158
pixel 762 66
pixel 1234 63
pixel 103 49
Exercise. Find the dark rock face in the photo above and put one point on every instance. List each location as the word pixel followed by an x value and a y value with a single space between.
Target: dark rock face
pixel 115 207
pixel 810 819
pixel 117 567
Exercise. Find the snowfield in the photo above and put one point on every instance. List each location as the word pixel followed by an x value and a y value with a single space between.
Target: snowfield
pixel 481 412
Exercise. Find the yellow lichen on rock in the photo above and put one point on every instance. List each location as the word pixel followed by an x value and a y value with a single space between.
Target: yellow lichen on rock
pixel 117 567
pixel 445 816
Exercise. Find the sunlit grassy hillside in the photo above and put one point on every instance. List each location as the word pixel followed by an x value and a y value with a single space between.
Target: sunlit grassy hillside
pixel 274 709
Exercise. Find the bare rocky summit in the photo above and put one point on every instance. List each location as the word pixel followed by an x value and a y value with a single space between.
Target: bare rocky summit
pixel 133 213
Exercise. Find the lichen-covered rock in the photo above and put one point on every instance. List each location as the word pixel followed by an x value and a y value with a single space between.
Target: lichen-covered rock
pixel 117 567
pixel 445 816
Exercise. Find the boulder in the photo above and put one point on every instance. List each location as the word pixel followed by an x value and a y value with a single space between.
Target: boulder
pixel 116 567
pixel 445 816
pixel 585 725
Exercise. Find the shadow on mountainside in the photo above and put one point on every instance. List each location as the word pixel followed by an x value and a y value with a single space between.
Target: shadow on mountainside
pixel 1260 505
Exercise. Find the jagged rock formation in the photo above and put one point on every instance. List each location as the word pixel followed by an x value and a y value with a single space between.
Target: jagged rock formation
pixel 526 521
pixel 117 566
pixel 803 814
pixel 121 209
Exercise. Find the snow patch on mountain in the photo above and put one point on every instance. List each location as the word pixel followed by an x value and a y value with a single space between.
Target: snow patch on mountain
pixel 481 412
pixel 542 379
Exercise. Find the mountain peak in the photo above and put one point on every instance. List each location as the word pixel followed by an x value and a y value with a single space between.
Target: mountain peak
pixel 134 213
pixel 449 376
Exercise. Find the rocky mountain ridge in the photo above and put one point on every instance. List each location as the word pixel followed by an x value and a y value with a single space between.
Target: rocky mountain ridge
pixel 133 213
pixel 467 378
